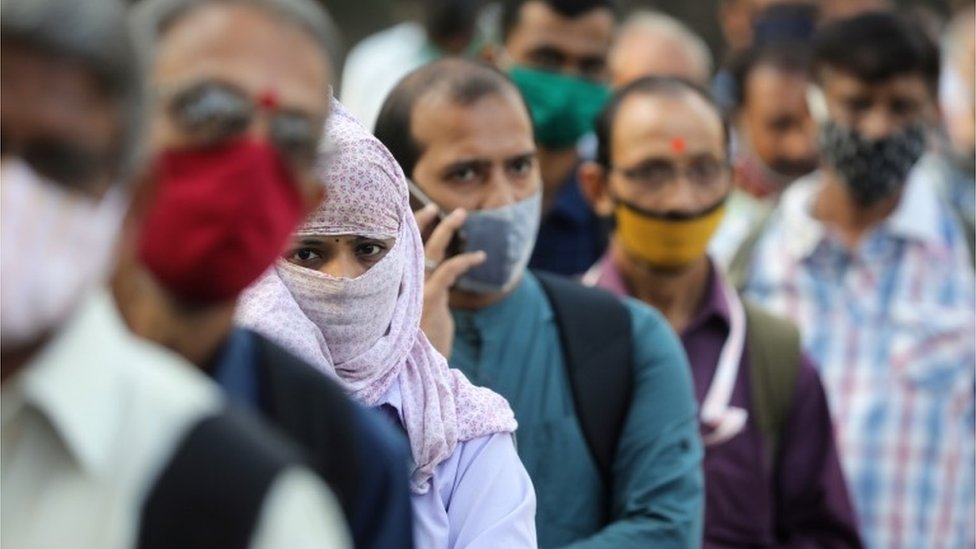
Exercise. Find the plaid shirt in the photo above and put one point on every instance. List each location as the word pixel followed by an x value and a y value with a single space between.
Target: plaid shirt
pixel 893 327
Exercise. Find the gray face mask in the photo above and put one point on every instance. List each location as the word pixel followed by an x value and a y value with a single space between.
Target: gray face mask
pixel 872 170
pixel 507 236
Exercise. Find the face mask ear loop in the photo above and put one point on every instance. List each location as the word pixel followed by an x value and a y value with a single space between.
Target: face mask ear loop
pixel 817 103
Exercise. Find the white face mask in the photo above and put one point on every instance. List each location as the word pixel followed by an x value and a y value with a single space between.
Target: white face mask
pixel 507 236
pixel 54 245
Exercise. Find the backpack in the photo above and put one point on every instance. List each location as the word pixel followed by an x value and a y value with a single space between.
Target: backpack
pixel 313 411
pixel 775 349
pixel 775 353
pixel 210 493
pixel 595 333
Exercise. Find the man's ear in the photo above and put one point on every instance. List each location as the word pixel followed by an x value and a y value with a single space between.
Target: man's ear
pixel 489 53
pixel 593 182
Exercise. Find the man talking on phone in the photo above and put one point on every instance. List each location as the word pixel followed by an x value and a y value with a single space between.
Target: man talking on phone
pixel 607 420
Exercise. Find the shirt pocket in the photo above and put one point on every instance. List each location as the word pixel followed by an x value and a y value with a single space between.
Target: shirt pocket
pixel 932 347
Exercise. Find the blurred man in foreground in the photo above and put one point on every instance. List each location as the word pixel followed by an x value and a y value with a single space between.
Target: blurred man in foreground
pixel 242 99
pixel 109 442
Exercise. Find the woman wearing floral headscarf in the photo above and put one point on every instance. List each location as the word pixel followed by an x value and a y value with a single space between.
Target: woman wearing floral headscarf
pixel 347 297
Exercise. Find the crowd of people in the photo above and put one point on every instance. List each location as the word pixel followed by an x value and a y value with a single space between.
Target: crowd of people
pixel 539 273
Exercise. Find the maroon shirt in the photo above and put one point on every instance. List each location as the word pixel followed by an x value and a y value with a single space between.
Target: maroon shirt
pixel 802 500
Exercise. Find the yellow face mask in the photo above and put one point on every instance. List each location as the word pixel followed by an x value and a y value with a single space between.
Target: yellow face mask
pixel 666 241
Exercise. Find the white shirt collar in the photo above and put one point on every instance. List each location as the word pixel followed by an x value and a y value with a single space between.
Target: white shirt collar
pixel 917 216
pixel 804 232
pixel 76 382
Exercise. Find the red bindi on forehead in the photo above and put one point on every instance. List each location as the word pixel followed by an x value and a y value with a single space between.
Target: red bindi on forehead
pixel 678 145
pixel 268 100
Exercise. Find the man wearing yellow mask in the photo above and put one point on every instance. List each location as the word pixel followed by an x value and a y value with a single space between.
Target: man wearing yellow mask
pixel 662 172
pixel 556 53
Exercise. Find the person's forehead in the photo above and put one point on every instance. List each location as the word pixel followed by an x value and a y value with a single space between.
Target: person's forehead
pixel 50 95
pixel 248 46
pixel 647 123
pixel 494 127
pixel 589 33
pixel 65 80
pixel 772 88
pixel 909 83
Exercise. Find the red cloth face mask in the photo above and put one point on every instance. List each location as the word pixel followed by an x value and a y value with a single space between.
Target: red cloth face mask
pixel 220 218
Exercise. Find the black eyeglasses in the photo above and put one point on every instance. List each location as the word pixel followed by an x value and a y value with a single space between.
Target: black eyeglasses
pixel 654 175
pixel 74 165
pixel 213 112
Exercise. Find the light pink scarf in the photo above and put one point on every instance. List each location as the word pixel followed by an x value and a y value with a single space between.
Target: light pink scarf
pixel 366 331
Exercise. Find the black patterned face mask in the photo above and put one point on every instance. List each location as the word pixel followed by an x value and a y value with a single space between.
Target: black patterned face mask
pixel 872 169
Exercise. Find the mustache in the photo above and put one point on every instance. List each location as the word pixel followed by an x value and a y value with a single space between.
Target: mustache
pixel 794 167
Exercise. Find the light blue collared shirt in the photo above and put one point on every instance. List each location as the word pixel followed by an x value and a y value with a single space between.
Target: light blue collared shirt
pixel 892 325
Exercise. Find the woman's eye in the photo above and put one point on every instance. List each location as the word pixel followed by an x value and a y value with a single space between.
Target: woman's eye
pixel 370 250
pixel 304 254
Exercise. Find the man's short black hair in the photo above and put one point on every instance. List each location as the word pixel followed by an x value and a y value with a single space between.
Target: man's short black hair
pixel 463 81
pixel 667 86
pixel 787 56
pixel 447 19
pixel 511 9
pixel 876 47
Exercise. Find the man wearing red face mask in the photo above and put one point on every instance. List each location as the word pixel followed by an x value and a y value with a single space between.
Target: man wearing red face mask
pixel 242 97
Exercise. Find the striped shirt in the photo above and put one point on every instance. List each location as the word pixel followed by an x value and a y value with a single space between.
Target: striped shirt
pixel 892 325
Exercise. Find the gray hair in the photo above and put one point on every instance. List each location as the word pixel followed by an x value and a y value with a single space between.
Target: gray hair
pixel 94 33
pixel 657 23
pixel 152 18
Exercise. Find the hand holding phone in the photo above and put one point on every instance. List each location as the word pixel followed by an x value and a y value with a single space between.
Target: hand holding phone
pixel 420 200
pixel 443 266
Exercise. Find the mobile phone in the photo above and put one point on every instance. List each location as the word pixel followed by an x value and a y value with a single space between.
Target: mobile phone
pixel 419 200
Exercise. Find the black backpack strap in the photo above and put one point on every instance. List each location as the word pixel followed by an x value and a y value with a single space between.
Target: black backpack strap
pixel 774 361
pixel 313 411
pixel 211 492
pixel 595 331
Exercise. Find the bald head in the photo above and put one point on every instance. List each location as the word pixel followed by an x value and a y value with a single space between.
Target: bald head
pixel 654 44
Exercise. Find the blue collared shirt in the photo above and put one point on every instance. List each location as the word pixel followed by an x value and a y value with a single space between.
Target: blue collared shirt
pixel 891 324
pixel 571 236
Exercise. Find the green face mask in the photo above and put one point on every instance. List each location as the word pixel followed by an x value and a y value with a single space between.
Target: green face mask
pixel 563 107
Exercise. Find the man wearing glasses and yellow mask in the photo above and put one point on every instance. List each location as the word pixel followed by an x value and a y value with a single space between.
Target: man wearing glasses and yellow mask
pixel 662 172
